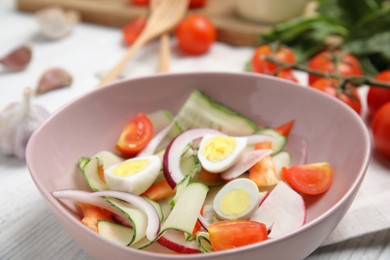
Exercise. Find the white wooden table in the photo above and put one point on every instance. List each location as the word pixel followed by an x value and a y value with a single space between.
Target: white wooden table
pixel 27 229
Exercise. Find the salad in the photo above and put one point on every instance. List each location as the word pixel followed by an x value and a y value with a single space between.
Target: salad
pixel 204 180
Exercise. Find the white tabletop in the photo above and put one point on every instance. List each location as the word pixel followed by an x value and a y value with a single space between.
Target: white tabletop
pixel 28 230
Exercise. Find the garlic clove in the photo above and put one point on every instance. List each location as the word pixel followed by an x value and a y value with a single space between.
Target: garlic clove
pixel 17 59
pixel 55 23
pixel 52 79
pixel 18 121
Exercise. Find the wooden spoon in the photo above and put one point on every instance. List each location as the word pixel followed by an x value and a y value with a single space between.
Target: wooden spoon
pixel 163 17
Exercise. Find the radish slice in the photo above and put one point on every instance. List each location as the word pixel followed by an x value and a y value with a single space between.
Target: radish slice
pixel 254 139
pixel 153 226
pixel 150 149
pixel 283 211
pixel 175 241
pixel 247 160
pixel 174 151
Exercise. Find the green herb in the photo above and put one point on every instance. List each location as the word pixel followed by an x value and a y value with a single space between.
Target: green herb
pixel 362 27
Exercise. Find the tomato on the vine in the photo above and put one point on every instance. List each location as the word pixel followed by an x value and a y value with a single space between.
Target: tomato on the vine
pixel 280 53
pixel 381 130
pixel 195 34
pixel 349 96
pixel 135 136
pixel 334 61
pixel 132 30
pixel 378 96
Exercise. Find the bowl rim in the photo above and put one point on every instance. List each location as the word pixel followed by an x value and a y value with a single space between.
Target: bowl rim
pixel 351 191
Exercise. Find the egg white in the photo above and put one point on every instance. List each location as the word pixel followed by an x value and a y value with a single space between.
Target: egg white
pixel 135 183
pixel 241 183
pixel 225 163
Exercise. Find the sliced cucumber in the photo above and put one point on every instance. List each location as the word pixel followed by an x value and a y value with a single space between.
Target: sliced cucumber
pixel 203 240
pixel 282 159
pixel 138 219
pixel 115 232
pixel 161 119
pixel 157 206
pixel 91 174
pixel 201 110
pixel 90 168
pixel 186 210
pixel 278 143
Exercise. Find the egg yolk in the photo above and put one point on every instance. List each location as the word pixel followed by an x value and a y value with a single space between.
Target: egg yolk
pixel 235 202
pixel 130 167
pixel 218 148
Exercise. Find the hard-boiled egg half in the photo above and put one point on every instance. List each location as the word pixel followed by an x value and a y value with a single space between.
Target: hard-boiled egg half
pixel 238 199
pixel 219 152
pixel 135 175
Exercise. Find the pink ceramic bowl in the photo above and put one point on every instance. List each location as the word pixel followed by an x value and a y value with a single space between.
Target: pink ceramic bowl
pixel 333 133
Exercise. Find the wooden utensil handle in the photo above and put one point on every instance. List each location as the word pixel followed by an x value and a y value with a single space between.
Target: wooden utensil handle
pixel 164 57
pixel 118 68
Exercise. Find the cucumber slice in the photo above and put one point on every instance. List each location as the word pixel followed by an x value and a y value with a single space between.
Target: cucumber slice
pixel 201 111
pixel 278 143
pixel 91 174
pixel 138 219
pixel 115 232
pixel 282 159
pixel 186 210
pixel 161 119
pixel 203 240
pixel 89 168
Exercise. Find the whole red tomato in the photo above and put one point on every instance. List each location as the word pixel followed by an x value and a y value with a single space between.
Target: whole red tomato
pixel 192 4
pixel 195 34
pixel 334 61
pixel 261 65
pixel 381 130
pixel 378 96
pixel 350 97
pixel 132 30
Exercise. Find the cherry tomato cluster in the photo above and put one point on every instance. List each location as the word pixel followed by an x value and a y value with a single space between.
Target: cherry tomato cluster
pixel 195 33
pixel 334 62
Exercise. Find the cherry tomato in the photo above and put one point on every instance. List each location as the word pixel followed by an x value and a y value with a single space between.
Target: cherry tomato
pixel 192 3
pixel 378 96
pixel 350 97
pixel 282 54
pixel 197 3
pixel 132 30
pixel 135 136
pixel 195 34
pixel 235 233
pixel 287 74
pixel 310 179
pixel 334 61
pixel 381 130
pixel 139 2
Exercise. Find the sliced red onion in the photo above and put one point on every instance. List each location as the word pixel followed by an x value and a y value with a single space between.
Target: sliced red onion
pixel 153 227
pixel 203 222
pixel 150 149
pixel 174 151
pixel 254 139
pixel 246 161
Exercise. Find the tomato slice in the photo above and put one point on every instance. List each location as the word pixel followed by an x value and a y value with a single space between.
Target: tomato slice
pixel 310 179
pixel 236 233
pixel 285 129
pixel 135 136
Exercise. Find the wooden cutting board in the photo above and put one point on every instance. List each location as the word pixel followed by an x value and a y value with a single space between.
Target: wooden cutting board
pixel 232 29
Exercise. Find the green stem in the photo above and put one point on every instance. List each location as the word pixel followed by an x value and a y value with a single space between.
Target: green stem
pixel 355 80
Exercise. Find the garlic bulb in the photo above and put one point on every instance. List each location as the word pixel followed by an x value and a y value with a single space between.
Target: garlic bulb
pixel 55 23
pixel 18 121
